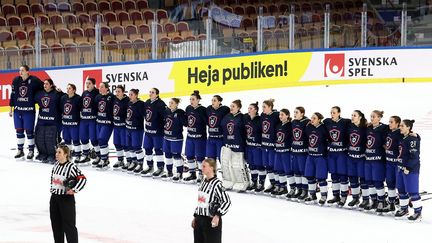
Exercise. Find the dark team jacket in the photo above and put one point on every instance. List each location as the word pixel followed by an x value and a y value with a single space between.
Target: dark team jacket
pixel 233 130
pixel 283 137
pixel 375 144
pixel 119 111
pixel 317 136
pixel 299 143
pixel 135 115
pixel 337 133
pixel 154 119
pixel 174 123
pixel 70 109
pixel 409 153
pixel 23 93
pixel 268 126
pixel 357 141
pixel 196 118
pixel 253 130
pixel 214 119
pixel 105 104
pixel 49 107
pixel 89 107
pixel 392 145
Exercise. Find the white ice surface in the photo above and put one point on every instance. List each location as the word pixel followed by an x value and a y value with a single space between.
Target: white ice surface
pixel 117 207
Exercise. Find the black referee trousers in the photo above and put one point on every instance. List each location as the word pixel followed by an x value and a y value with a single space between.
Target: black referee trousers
pixel 205 233
pixel 63 218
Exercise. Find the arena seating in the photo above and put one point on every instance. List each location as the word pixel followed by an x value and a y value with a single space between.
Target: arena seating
pixel 68 28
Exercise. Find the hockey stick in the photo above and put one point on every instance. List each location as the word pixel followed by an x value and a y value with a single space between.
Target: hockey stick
pixel 426 199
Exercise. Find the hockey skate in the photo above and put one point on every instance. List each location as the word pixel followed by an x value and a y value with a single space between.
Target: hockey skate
pixel 291 194
pixel 125 166
pixel 167 176
pixel 354 202
pixel 311 199
pixel 95 162
pixel 364 204
pixel 147 172
pixel 371 207
pixel 416 217
pixel 85 161
pixel 178 177
pixel 269 189
pixel 342 202
pixel 334 200
pixel 283 191
pixel 259 189
pixel 131 167
pixel 191 179
pixel 30 156
pixel 303 196
pixel 322 200
pixel 19 155
pixel 401 214
pixel 158 173
pixel 103 165
pixel 274 192
pixel 138 169
pixel 251 187
pixel 118 165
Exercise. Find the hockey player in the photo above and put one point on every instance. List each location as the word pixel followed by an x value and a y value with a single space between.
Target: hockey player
pixel 48 124
pixel 316 163
pixel 70 105
pixel 375 160
pixel 253 148
pixel 134 132
pixel 234 169
pixel 282 164
pixel 119 120
pixel 356 159
pixel 337 155
pixel 22 108
pixel 269 121
pixel 196 135
pixel 154 130
pixel 215 113
pixel 104 122
pixel 392 153
pixel 409 171
pixel 175 120
pixel 299 152
pixel 88 121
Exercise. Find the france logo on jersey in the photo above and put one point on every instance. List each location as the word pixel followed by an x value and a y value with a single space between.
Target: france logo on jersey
pixel 102 105
pixel 354 139
pixel 191 121
pixel 313 139
pixel 67 108
pixel 213 121
pixel 334 134
pixel 297 132
pixel 230 128
pixel 116 110
pixel 149 114
pixel 45 101
pixel 266 126
pixel 168 123
pixel 280 137
pixel 370 141
pixel 86 102
pixel 129 113
pixel 23 91
pixel 389 142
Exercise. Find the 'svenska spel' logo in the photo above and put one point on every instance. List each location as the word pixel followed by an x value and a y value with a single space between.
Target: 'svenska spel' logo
pixel 334 65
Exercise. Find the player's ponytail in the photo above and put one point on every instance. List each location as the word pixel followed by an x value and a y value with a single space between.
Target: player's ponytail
pixel 363 120
pixel 196 93
pixel 176 100
pixel 218 97
pixel 269 103
pixel 238 103
pixel 397 119
pixel 319 115
pixel 380 114
pixel 409 123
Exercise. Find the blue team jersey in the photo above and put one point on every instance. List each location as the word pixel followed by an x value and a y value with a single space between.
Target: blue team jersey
pixel 299 143
pixel 154 120
pixel 135 114
pixel 70 109
pixel 119 111
pixel 89 106
pixel 357 141
pixel 233 129
pixel 392 145
pixel 268 124
pixel 23 93
pixel 253 130
pixel 376 137
pixel 105 105
pixel 409 153
pixel 214 119
pixel 317 140
pixel 174 123
pixel 337 133
pixel 283 137
pixel 196 118
pixel 49 106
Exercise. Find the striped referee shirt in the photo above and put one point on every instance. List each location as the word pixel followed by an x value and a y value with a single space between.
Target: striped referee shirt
pixel 211 192
pixel 61 172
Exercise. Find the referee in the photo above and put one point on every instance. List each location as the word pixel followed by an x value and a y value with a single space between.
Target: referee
pixel 66 180
pixel 213 202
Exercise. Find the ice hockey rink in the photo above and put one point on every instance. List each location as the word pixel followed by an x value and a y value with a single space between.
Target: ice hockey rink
pixel 119 207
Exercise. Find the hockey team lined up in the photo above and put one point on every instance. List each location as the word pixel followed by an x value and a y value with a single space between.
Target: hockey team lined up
pixel 294 154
